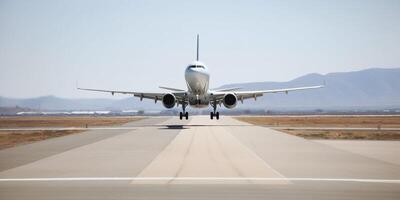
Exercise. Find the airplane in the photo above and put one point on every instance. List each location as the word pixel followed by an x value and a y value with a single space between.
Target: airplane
pixel 198 94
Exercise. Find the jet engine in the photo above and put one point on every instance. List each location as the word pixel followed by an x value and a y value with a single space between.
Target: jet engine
pixel 230 100
pixel 169 100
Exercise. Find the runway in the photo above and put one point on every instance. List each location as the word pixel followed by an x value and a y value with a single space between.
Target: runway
pixel 165 158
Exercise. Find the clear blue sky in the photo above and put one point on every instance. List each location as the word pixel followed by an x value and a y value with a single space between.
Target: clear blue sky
pixel 48 45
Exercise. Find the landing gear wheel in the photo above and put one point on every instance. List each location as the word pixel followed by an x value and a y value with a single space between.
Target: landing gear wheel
pixel 217 115
pixel 187 115
pixel 180 115
pixel 211 115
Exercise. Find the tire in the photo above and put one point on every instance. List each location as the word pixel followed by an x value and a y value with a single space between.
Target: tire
pixel 217 116
pixel 180 115
pixel 211 115
pixel 187 115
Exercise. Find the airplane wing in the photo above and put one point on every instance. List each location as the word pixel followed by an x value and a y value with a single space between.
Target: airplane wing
pixel 142 95
pixel 241 95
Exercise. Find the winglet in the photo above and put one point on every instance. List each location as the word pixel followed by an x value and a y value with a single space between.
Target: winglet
pixel 197 57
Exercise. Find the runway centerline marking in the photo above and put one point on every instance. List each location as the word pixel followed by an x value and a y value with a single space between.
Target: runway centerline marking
pixel 208 151
pixel 138 179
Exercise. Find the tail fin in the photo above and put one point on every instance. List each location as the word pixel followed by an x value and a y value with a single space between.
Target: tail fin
pixel 197 58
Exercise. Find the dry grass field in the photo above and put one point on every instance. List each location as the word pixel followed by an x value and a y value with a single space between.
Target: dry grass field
pixel 345 134
pixel 14 138
pixel 62 121
pixel 318 123
pixel 325 121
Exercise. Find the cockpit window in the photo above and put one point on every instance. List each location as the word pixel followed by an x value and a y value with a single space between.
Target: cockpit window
pixel 196 66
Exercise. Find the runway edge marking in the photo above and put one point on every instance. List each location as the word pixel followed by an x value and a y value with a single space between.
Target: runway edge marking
pixel 197 179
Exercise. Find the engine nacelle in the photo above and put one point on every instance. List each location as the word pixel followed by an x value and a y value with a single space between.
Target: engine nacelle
pixel 230 100
pixel 169 100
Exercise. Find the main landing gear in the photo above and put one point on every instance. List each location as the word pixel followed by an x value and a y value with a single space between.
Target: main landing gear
pixel 184 113
pixel 215 113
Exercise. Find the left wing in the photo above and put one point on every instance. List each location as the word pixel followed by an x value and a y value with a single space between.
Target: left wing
pixel 142 95
pixel 241 95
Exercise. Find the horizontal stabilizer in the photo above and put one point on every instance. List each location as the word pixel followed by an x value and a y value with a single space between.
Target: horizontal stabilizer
pixel 228 89
pixel 172 89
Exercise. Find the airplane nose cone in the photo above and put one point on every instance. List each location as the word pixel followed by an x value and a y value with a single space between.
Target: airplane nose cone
pixel 195 74
pixel 197 80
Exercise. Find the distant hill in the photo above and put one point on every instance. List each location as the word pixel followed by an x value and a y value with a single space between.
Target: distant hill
pixel 56 103
pixel 371 88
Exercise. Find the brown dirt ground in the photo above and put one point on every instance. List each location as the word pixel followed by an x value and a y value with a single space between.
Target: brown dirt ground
pixel 325 121
pixel 13 138
pixel 345 134
pixel 62 121
pixel 333 121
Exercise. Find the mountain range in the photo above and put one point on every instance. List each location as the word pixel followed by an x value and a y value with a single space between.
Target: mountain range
pixel 366 89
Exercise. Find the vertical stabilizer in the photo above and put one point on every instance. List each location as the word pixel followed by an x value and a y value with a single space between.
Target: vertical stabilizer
pixel 197 58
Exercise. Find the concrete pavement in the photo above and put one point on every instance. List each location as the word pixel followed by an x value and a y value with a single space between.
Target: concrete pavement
pixel 386 151
pixel 165 158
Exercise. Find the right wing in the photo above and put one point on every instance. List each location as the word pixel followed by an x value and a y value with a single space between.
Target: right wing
pixel 142 95
pixel 249 94
pixel 241 95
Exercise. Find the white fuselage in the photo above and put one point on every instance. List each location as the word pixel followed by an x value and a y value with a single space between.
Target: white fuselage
pixel 197 81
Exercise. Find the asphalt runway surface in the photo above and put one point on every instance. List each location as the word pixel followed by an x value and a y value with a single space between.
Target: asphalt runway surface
pixel 165 158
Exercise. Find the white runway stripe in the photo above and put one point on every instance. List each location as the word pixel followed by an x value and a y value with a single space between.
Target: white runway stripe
pixel 177 126
pixel 108 128
pixel 198 179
